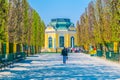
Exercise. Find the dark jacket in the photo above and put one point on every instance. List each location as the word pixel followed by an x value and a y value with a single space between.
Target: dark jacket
pixel 64 52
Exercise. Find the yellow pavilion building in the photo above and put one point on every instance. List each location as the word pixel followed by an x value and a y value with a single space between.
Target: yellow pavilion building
pixel 60 33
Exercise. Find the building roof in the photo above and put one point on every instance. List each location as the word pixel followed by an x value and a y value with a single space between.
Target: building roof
pixel 61 23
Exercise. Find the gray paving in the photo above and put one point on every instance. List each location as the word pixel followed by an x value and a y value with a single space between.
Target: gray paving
pixel 50 67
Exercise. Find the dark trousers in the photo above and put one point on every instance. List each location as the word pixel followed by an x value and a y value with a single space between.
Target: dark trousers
pixel 64 59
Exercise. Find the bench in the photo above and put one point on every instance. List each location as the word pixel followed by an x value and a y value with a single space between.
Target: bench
pixel 9 59
pixel 3 61
pixel 20 56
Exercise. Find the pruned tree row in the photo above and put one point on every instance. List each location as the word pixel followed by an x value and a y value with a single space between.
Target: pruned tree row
pixel 99 26
pixel 21 28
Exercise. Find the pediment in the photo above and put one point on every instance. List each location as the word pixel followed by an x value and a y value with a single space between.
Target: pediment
pixel 49 28
pixel 72 28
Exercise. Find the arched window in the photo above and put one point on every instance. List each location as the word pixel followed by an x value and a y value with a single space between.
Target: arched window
pixel 72 41
pixel 50 42
pixel 61 41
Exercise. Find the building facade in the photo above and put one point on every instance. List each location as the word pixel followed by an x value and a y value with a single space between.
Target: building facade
pixel 60 33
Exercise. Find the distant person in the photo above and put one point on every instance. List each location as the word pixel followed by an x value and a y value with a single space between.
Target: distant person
pixel 65 55
pixel 95 51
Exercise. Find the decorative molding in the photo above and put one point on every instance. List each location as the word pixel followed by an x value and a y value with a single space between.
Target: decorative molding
pixel 58 32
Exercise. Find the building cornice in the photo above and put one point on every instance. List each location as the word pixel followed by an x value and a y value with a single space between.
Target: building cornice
pixel 60 31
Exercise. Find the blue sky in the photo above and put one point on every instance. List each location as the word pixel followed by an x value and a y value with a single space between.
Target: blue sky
pixel 49 9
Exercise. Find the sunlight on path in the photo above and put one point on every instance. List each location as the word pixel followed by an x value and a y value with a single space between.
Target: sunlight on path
pixel 50 67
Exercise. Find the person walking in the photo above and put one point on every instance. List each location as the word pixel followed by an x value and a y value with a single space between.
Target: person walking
pixel 65 55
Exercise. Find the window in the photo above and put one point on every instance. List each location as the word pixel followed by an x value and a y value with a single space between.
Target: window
pixel 50 42
pixel 61 41
pixel 72 41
